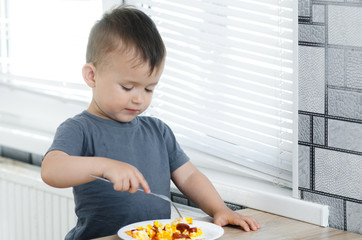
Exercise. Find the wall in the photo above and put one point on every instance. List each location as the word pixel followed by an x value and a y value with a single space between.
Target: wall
pixel 330 108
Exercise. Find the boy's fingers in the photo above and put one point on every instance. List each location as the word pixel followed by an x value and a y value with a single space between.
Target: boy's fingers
pixel 145 187
pixel 121 186
pixel 134 185
pixel 245 222
pixel 130 180
pixel 142 181
pixel 252 223
pixel 242 223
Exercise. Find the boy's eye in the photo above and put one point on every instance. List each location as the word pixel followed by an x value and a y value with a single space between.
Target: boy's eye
pixel 127 88
pixel 149 90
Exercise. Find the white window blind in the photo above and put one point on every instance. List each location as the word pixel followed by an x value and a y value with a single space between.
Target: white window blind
pixel 227 88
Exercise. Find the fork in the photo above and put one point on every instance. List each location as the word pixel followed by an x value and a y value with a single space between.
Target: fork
pixel 141 190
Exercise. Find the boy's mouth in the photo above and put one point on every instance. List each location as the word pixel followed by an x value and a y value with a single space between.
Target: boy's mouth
pixel 132 110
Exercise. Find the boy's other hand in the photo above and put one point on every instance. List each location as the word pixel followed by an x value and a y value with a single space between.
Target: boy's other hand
pixel 125 177
pixel 230 217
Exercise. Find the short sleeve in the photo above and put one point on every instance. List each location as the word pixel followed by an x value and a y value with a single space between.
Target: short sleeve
pixel 176 155
pixel 69 138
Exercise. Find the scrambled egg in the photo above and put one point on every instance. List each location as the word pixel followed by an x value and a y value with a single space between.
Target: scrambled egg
pixel 179 229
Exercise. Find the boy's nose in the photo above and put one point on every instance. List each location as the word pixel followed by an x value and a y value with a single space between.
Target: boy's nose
pixel 137 97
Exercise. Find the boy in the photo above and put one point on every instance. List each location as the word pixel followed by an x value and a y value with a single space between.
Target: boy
pixel 125 59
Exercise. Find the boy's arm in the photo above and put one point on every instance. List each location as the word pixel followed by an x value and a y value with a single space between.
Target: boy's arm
pixel 62 170
pixel 200 190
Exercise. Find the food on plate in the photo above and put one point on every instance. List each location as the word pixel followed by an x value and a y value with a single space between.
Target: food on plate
pixel 179 229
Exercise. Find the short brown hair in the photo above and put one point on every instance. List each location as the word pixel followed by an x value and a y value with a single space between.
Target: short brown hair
pixel 134 29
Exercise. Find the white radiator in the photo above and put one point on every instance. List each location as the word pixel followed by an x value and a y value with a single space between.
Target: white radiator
pixel 30 209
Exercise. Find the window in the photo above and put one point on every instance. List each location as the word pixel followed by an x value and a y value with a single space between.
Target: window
pixel 228 86
pixel 42 51
pixel 46 37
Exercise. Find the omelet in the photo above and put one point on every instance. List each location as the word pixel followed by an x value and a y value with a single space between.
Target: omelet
pixel 179 229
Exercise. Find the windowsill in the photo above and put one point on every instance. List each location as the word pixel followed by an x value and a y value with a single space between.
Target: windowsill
pixel 28 121
pixel 25 139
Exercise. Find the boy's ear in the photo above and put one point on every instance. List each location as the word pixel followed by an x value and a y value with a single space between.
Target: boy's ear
pixel 89 72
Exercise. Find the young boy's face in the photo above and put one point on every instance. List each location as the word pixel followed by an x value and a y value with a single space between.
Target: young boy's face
pixel 123 87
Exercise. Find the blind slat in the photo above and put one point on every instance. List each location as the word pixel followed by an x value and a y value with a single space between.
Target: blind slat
pixel 227 112
pixel 234 168
pixel 265 109
pixel 246 137
pixel 213 81
pixel 265 48
pixel 231 52
pixel 242 95
pixel 189 28
pixel 248 156
pixel 193 8
pixel 242 74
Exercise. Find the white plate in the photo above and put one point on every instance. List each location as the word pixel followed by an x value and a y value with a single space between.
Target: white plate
pixel 210 230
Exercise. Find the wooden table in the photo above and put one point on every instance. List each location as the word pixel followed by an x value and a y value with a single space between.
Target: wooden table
pixel 272 227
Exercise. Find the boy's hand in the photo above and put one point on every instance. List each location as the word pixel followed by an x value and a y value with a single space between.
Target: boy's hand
pixel 125 177
pixel 230 217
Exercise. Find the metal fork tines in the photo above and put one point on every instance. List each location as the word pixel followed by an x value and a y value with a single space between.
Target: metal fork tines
pixel 141 190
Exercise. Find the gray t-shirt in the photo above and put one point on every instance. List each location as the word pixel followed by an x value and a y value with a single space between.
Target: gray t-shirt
pixel 146 143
